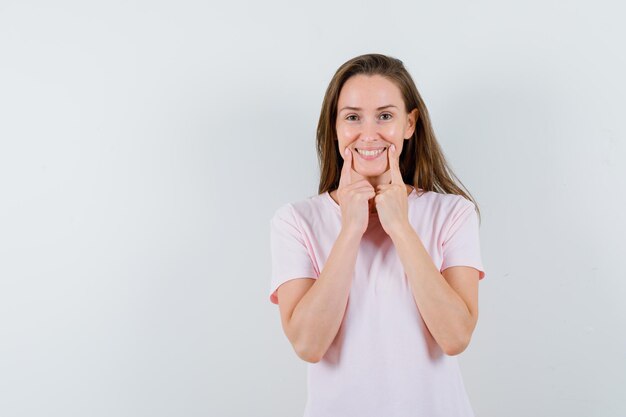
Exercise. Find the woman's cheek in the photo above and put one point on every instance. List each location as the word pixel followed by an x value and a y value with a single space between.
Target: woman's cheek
pixel 346 134
pixel 391 131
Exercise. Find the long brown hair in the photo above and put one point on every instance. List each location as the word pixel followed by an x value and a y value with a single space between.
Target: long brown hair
pixel 422 161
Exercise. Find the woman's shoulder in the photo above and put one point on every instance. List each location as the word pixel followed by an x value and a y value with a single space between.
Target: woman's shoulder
pixel 442 201
pixel 306 207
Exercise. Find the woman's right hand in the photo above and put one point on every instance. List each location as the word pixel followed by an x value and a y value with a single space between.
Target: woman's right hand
pixel 353 198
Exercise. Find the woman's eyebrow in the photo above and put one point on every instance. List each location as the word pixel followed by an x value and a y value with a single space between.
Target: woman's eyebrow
pixel 358 108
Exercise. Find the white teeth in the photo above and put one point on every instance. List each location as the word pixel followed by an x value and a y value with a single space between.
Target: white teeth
pixel 370 153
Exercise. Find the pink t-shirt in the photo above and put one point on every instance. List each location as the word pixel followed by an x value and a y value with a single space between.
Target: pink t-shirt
pixel 384 361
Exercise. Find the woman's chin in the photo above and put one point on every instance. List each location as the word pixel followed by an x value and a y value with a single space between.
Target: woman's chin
pixel 371 172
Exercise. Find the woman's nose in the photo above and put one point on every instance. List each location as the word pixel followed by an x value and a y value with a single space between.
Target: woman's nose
pixel 369 129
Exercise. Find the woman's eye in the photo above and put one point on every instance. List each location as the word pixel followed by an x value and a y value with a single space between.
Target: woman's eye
pixel 386 116
pixel 350 117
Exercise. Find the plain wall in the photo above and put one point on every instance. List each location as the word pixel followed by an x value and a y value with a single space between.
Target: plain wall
pixel 144 146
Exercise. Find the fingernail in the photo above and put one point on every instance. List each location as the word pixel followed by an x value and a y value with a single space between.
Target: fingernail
pixel 393 147
pixel 346 152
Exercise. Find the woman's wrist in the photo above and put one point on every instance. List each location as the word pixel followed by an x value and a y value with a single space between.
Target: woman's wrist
pixel 350 233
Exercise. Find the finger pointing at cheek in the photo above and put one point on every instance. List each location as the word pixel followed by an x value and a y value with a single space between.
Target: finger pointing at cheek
pixel 394 166
pixel 346 174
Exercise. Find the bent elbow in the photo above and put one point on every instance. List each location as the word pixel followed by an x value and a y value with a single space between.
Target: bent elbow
pixel 311 359
pixel 308 355
pixel 457 348
pixel 453 351
pixel 307 352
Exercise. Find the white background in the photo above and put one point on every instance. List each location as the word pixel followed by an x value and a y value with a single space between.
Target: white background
pixel 144 147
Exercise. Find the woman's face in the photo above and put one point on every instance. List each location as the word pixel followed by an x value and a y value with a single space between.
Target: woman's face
pixel 371 115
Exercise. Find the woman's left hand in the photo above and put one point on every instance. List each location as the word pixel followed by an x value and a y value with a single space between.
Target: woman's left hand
pixel 391 199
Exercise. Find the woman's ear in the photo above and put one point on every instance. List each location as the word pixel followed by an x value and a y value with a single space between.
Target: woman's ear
pixel 412 120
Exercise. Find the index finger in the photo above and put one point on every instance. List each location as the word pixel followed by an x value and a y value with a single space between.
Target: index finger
pixel 346 174
pixel 394 165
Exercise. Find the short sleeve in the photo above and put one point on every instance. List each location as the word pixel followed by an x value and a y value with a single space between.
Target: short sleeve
pixel 290 251
pixel 461 246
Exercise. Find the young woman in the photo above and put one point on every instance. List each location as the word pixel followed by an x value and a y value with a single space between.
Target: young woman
pixel 376 276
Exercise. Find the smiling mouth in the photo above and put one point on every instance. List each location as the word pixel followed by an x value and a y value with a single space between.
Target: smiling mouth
pixel 370 153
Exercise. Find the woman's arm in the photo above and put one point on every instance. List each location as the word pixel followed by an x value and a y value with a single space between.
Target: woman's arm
pixel 316 319
pixel 443 310
pixel 450 318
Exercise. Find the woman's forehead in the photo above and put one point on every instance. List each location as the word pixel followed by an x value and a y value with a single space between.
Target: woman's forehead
pixel 363 91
